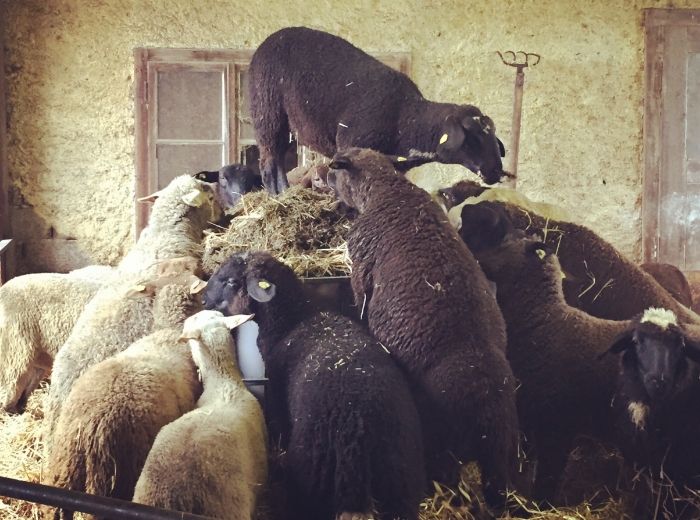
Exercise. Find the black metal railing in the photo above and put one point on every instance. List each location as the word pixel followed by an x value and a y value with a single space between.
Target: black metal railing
pixel 86 503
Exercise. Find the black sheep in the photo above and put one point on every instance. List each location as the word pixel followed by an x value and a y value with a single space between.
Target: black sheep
pixel 233 181
pixel 334 95
pixel 428 302
pixel 341 407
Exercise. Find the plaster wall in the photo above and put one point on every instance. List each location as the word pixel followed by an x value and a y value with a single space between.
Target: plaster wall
pixel 70 72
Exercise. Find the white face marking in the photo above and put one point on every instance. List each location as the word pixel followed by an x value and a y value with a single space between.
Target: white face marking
pixel 660 317
pixel 638 413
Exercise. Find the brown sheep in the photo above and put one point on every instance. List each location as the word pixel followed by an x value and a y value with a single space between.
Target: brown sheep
pixel 114 412
pixel 428 302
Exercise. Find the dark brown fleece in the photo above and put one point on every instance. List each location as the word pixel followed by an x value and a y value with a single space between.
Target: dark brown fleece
pixel 428 302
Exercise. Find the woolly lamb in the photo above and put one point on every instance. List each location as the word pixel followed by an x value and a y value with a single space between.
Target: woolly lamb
pixel 428 302
pixel 113 413
pixel 657 395
pixel 213 460
pixel 333 95
pixel 599 279
pixel 553 348
pixel 180 214
pixel 341 408
pixel 37 313
pixel 116 317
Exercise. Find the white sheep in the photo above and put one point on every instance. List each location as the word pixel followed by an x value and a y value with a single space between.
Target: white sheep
pixel 114 412
pixel 119 315
pixel 212 461
pixel 37 313
pixel 180 214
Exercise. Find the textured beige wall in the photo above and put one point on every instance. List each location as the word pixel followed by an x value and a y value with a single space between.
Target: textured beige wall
pixel 70 81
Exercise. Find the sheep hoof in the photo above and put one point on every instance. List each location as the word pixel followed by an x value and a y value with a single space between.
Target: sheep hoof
pixel 345 515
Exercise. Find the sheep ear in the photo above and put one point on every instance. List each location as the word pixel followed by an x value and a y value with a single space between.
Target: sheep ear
pixel 623 342
pixel 194 198
pixel 261 290
pixel 190 334
pixel 237 320
pixel 150 198
pixel 205 176
pixel 452 136
pixel 501 148
pixel 403 164
pixel 691 338
pixel 340 162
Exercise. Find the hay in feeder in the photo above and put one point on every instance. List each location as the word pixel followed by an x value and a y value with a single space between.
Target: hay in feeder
pixel 300 227
pixel 21 452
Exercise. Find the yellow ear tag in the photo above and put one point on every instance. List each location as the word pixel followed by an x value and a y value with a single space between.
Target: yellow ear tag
pixel 443 139
pixel 264 284
pixel 400 159
pixel 540 253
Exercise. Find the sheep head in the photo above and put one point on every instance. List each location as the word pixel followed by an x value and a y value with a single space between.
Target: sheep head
pixel 660 350
pixel 353 172
pixel 468 137
pixel 257 283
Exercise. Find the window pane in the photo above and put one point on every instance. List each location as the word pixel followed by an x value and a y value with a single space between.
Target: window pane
pixel 177 159
pixel 190 103
pixel 692 135
pixel 245 127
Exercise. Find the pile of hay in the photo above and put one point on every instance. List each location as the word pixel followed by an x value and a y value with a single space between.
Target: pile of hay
pixel 300 227
pixel 21 452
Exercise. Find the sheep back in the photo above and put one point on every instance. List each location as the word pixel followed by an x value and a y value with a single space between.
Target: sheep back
pixel 114 411
pixel 37 314
pixel 212 461
pixel 352 432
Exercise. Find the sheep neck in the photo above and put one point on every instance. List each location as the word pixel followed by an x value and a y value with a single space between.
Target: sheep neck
pixel 221 379
pixel 277 318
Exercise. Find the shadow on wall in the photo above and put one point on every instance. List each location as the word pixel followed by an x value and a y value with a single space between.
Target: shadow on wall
pixel 38 247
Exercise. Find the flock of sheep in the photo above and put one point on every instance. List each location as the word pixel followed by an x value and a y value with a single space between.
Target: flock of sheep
pixel 477 340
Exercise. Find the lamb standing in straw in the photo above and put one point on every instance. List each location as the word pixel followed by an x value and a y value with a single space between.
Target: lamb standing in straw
pixel 212 461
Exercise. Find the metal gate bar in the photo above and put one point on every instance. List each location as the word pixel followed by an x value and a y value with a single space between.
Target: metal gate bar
pixel 86 503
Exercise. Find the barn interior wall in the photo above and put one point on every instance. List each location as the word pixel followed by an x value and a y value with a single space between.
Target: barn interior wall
pixel 70 77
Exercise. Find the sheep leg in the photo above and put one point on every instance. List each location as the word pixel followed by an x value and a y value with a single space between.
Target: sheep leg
pixel 552 455
pixel 273 141
pixel 353 495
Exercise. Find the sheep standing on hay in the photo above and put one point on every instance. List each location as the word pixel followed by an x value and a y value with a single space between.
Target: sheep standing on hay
pixel 37 313
pixel 428 302
pixel 334 95
pixel 116 408
pixel 599 279
pixel 213 460
pixel 554 348
pixel 341 408
pixel 120 313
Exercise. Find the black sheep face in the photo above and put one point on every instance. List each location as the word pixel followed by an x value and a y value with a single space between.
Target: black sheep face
pixel 469 138
pixel 458 193
pixel 235 180
pixel 660 351
pixel 247 282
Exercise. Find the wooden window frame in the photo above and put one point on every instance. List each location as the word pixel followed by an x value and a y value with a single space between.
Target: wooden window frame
pixel 658 146
pixel 148 61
